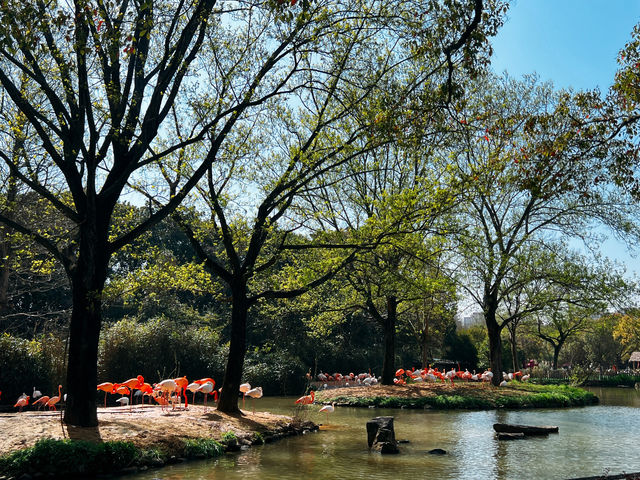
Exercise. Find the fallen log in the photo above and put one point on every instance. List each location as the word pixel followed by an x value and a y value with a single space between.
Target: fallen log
pixel 525 429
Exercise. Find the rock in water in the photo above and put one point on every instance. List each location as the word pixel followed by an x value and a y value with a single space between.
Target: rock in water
pixel 381 435
pixel 437 451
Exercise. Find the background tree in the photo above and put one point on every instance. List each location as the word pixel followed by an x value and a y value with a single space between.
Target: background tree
pixel 102 81
pixel 627 332
pixel 337 75
pixel 531 176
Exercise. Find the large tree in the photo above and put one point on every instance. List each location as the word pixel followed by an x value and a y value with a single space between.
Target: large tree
pixel 102 81
pixel 344 78
pixel 532 173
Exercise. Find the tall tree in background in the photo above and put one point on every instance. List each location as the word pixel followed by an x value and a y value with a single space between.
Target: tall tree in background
pixel 532 175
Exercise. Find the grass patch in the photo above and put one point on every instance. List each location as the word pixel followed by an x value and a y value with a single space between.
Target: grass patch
pixel 78 458
pixel 70 457
pixel 202 448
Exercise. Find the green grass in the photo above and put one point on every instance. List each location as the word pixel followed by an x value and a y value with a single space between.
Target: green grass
pixel 77 458
pixel 70 457
pixel 537 396
pixel 202 448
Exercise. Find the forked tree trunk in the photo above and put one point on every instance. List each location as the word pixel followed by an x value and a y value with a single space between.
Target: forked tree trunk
pixel 228 401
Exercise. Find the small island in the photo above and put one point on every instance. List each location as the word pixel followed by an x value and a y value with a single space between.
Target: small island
pixel 460 395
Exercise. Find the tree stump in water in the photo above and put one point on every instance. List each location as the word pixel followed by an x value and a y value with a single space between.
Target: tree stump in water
pixel 381 435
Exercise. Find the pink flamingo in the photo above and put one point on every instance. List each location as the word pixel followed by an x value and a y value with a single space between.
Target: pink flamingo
pixel 53 400
pixel 307 399
pixel 106 387
pixel 42 401
pixel 23 401
pixel 207 388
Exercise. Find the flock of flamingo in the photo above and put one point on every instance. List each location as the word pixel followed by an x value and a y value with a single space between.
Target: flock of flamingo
pixel 172 390
pixel 413 375
pixel 164 392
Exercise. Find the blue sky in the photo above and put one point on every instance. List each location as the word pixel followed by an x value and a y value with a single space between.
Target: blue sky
pixel 573 43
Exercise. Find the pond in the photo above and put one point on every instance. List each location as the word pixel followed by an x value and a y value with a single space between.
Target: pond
pixel 591 441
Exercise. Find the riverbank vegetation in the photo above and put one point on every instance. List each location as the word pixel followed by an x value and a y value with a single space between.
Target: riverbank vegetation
pixel 323 200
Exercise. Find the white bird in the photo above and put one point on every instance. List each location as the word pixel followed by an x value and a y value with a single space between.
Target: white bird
pixel 167 387
pixel 526 377
pixel 328 409
pixel 123 401
pixel 254 393
pixel 244 388
pixel 205 388
pixel 503 383
pixel 36 394
pixel 193 388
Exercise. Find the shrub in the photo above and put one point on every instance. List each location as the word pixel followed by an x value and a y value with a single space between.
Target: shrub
pixel 23 365
pixel 69 457
pixel 202 448
pixel 159 348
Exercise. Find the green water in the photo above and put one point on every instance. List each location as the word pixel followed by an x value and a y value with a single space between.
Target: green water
pixel 591 441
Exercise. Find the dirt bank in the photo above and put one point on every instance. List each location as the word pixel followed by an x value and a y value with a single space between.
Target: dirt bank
pixel 145 426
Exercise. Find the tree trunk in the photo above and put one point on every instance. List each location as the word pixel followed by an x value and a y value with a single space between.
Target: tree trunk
pixel 228 401
pixel 87 283
pixel 556 354
pixel 495 344
pixel 424 346
pixel 514 348
pixel 388 363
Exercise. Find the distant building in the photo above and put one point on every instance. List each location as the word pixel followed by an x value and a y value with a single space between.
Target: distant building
pixel 476 318
pixel 634 360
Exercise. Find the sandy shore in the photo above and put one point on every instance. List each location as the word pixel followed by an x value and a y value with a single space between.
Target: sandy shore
pixel 145 426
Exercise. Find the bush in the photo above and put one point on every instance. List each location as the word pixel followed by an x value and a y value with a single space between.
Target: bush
pixel 70 457
pixel 157 349
pixel 278 373
pixel 28 363
pixel 202 448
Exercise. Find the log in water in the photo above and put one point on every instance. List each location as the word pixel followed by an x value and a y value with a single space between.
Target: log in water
pixel 525 429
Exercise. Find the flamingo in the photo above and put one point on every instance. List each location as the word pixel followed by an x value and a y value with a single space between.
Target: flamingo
pixel 254 393
pixel 193 388
pixel 53 400
pixel 106 387
pixel 182 383
pixel 244 388
pixel 36 394
pixel 41 401
pixel 146 389
pixel 22 401
pixel 123 401
pixel 162 401
pixel 168 386
pixel 328 409
pixel 307 399
pixel 131 384
pixel 206 388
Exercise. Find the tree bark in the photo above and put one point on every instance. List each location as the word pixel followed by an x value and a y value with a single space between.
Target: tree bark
pixel 228 401
pixel 88 277
pixel 495 344
pixel 556 354
pixel 388 363
pixel 514 348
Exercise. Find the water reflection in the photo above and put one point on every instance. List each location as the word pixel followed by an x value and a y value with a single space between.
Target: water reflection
pixel 591 441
